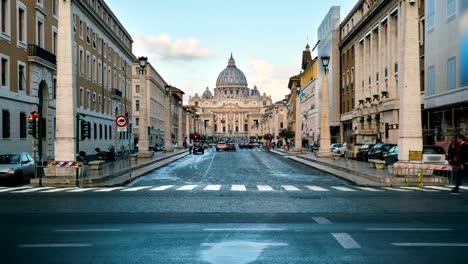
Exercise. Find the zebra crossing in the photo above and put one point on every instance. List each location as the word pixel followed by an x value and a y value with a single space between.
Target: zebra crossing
pixel 261 188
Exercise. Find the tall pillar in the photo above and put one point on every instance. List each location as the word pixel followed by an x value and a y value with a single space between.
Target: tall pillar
pixel 187 127
pixel 179 131
pixel 410 129
pixel 168 125
pixel 298 134
pixel 66 90
pixel 143 146
pixel 324 151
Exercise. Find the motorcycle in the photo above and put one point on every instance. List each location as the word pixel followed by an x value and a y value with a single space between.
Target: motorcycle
pixel 106 155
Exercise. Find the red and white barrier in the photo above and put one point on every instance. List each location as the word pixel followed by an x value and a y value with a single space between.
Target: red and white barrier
pixel 421 166
pixel 65 164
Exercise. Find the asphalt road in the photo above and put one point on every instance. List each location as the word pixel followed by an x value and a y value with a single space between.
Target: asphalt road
pixel 195 211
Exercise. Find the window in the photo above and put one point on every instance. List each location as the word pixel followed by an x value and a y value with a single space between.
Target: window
pixel 21 76
pixel 110 132
pixel 88 40
pixel 54 40
pixel 5 18
pixel 5 124
pixel 105 132
pixel 451 9
pixel 94 70
pixel 81 103
pixel 430 81
pixel 82 65
pixel 5 70
pixel 430 15
pixel 94 101
pixel 451 74
pixel 99 72
pixel 23 122
pixel 95 130
pixel 21 25
pixel 100 131
pixel 137 121
pixel 137 88
pixel 40 33
pixel 137 105
pixel 88 99
pixel 81 29
pixel 88 65
pixel 55 8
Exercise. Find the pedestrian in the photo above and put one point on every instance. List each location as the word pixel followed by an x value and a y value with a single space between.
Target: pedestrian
pixel 460 162
pixel 190 148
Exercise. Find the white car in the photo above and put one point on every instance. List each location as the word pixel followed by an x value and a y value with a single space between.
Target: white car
pixel 434 155
pixel 343 149
pixel 335 148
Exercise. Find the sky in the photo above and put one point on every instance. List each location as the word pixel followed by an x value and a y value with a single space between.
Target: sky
pixel 189 42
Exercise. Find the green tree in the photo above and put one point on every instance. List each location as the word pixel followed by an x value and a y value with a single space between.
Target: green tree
pixel 287 133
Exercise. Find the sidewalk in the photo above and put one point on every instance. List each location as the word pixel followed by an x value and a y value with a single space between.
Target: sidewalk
pixel 116 173
pixel 357 172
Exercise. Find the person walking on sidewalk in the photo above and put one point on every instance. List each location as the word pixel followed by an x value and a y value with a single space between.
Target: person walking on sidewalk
pixel 461 162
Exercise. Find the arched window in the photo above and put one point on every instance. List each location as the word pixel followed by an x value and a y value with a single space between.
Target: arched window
pixel 95 130
pixel 100 131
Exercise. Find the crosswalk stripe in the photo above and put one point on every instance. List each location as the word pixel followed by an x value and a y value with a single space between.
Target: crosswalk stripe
pixel 109 189
pixel 33 190
pixel 212 188
pixel 439 188
pixel 264 188
pixel 81 190
pixel 58 190
pixel 15 188
pixel 343 189
pixel 396 189
pixel 460 187
pixel 290 188
pixel 317 189
pixel 134 189
pixel 162 188
pixel 187 187
pixel 370 189
pixel 419 189
pixel 238 188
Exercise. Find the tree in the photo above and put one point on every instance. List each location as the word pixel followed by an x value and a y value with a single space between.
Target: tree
pixel 287 133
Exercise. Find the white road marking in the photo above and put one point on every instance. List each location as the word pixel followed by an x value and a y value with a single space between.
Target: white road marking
pixel 406 229
pixel 245 229
pixel 162 188
pixel 343 189
pixel 187 188
pixel 134 189
pixel 15 188
pixel 317 189
pixel 262 244
pixel 370 189
pixel 290 188
pixel 238 188
pixel 321 220
pixel 419 189
pixel 54 245
pixel 33 190
pixel 346 241
pixel 264 188
pixel 109 189
pixel 396 189
pixel 58 190
pixel 440 188
pixel 461 187
pixel 430 244
pixel 212 188
pixel 89 230
pixel 82 189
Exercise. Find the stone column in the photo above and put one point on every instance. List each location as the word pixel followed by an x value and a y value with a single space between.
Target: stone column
pixel 410 130
pixel 168 125
pixel 187 127
pixel 324 151
pixel 180 134
pixel 143 126
pixel 298 128
pixel 66 89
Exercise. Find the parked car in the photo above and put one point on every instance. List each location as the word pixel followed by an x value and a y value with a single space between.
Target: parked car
pixel 221 146
pixel 379 150
pixel 198 147
pixel 158 147
pixel 363 152
pixel 343 149
pixel 15 168
pixel 335 148
pixel 434 154
pixel 391 157
pixel 231 146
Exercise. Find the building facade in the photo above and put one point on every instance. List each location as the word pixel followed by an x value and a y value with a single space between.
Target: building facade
pixel 309 98
pixel 235 110
pixel 446 71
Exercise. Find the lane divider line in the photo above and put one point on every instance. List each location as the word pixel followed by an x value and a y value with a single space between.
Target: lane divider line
pixel 346 241
pixel 321 220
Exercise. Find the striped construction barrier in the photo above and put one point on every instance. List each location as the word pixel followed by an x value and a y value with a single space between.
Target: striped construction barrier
pixel 421 166
pixel 65 164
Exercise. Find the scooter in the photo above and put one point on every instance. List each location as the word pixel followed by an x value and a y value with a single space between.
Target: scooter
pixel 106 155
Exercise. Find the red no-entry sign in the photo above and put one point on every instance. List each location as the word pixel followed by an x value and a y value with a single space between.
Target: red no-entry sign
pixel 121 121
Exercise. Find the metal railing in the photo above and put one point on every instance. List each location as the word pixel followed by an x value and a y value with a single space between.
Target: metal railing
pixel 34 50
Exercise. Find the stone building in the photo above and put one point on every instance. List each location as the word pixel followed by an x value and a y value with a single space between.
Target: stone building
pixel 310 97
pixel 234 110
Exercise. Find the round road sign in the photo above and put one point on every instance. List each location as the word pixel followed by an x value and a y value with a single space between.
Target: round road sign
pixel 121 121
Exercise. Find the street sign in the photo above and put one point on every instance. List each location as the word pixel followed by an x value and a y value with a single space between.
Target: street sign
pixel 121 121
pixel 121 129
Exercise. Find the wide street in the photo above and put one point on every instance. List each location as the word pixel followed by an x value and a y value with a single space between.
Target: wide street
pixel 248 206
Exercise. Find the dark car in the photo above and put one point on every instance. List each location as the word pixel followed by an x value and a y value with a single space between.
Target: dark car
pixel 158 147
pixel 15 168
pixel 198 148
pixel 391 157
pixel 379 150
pixel 231 146
pixel 363 152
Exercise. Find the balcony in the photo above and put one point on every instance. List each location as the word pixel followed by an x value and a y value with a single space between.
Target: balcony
pixel 42 56
pixel 116 94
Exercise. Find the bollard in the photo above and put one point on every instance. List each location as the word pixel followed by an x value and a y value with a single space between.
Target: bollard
pixel 420 175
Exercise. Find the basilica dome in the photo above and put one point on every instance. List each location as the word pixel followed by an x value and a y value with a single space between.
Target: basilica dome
pixel 231 76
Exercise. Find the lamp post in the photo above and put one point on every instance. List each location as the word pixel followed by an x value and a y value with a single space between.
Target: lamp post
pixel 324 151
pixel 167 132
pixel 143 144
pixel 298 128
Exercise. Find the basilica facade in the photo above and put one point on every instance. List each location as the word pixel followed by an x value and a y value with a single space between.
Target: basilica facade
pixel 235 110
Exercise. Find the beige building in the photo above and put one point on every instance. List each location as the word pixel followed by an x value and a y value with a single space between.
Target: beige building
pixel 95 58
pixel 28 48
pixel 275 120
pixel 235 110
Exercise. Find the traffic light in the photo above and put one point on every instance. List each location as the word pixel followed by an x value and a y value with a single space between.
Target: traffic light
pixel 195 136
pixel 85 129
pixel 33 124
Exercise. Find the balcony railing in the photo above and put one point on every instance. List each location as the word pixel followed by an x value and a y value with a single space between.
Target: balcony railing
pixel 36 51
pixel 116 94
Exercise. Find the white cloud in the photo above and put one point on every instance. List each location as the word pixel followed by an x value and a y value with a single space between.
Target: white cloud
pixel 270 79
pixel 161 47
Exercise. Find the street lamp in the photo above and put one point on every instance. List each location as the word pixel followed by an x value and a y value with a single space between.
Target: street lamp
pixel 167 88
pixel 325 141
pixel 298 90
pixel 285 102
pixel 143 135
